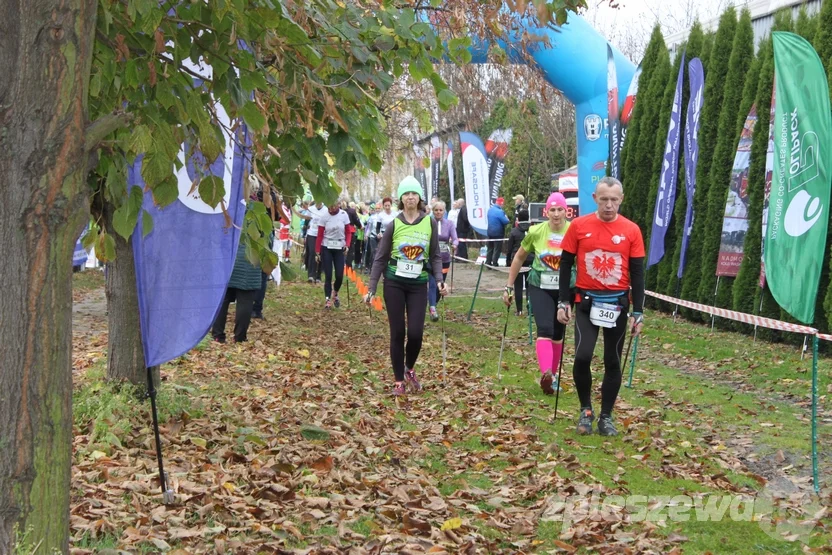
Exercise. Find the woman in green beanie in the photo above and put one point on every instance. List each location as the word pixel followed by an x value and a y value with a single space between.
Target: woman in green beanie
pixel 406 254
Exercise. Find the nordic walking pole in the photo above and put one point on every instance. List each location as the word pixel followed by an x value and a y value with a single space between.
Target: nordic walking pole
pixel 560 371
pixel 167 493
pixel 444 345
pixel 453 255
pixel 503 341
pixel 633 362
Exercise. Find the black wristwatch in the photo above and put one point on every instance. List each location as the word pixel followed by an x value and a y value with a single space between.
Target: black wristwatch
pixel 563 306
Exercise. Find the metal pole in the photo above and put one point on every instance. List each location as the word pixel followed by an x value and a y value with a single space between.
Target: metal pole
pixel 167 493
pixel 560 370
pixel 529 312
pixel 759 310
pixel 713 316
pixel 815 479
pixel 476 289
pixel 453 256
pixel 678 292
pixel 805 346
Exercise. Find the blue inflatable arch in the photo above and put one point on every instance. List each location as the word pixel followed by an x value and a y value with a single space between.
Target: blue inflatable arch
pixel 575 63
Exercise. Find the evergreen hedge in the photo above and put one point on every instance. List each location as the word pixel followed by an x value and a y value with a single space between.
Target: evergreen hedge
pixel 730 126
pixel 715 79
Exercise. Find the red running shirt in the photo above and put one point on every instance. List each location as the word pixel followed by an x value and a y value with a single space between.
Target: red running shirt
pixel 602 251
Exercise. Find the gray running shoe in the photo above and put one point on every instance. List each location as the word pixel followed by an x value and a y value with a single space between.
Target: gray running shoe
pixel 606 427
pixel 584 426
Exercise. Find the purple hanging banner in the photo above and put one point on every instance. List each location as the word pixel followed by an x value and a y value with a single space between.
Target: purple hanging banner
pixel 670 170
pixel 696 82
pixel 184 262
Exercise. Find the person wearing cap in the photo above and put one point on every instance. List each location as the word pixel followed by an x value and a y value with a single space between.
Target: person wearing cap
pixel 515 238
pixel 497 222
pixel 608 250
pixel 407 253
pixel 543 242
pixel 519 202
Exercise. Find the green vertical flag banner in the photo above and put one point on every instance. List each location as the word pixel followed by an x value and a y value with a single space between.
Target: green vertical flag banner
pixel 798 211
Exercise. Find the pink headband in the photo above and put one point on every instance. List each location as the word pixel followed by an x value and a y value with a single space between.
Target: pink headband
pixel 555 199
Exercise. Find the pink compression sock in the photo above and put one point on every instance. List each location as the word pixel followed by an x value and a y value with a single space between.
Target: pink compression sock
pixel 557 353
pixel 544 354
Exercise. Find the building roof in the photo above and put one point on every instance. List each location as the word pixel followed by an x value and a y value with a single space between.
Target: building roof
pixel 762 19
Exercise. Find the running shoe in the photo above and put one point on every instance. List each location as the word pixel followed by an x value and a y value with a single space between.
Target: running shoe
pixel 584 426
pixel 519 313
pixel 328 303
pixel 398 389
pixel 411 380
pixel 546 383
pixel 606 426
pixel 336 301
pixel 310 280
pixel 434 316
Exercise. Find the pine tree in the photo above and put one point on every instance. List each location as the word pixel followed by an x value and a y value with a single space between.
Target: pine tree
pixel 665 110
pixel 806 26
pixel 670 264
pixel 642 159
pixel 746 285
pixel 730 126
pixel 823 39
pixel 648 65
pixel 715 79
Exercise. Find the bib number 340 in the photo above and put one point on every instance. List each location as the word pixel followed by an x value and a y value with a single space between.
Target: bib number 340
pixel 604 315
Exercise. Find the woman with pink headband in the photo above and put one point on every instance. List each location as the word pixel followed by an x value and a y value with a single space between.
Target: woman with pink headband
pixel 544 242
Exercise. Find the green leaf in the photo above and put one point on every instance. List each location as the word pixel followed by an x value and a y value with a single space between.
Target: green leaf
pixel 166 191
pixel 140 140
pixel 156 167
pixel 147 223
pixel 90 238
pixel 122 222
pixel 105 249
pixel 95 84
pixel 252 116
pixel 211 190
pixel 337 143
pixel 446 99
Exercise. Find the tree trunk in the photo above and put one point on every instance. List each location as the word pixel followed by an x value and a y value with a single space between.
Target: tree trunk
pixel 125 357
pixel 45 57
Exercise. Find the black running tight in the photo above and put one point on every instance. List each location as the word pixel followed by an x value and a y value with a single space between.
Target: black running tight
pixel 412 297
pixel 545 310
pixel 586 335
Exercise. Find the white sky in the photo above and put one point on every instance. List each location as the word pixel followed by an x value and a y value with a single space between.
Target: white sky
pixel 629 25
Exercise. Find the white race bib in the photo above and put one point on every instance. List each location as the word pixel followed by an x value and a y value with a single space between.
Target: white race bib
pixel 408 268
pixel 444 247
pixel 549 280
pixel 604 315
pixel 334 243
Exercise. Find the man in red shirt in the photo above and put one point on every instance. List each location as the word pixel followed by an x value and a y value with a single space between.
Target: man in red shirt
pixel 609 250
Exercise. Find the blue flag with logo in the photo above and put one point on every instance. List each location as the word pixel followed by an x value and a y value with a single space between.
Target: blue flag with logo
pixel 184 263
pixel 666 196
pixel 696 83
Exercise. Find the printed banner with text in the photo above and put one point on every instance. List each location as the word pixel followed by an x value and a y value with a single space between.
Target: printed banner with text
pixel 666 196
pixel 696 83
pixel 798 212
pixel 735 220
pixel 475 171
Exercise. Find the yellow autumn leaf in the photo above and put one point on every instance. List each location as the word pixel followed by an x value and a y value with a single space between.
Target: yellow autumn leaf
pixel 304 353
pixel 451 524
pixel 229 486
pixel 198 441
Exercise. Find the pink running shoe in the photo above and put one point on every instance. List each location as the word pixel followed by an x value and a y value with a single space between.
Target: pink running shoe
pixel 411 380
pixel 398 389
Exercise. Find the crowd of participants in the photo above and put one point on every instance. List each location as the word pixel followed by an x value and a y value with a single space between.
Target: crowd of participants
pixel 589 271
